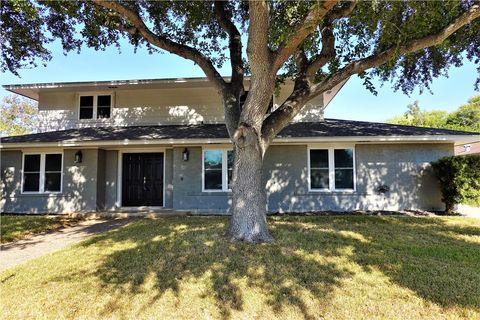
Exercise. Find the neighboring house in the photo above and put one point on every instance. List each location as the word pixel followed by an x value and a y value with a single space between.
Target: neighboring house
pixel 469 148
pixel 125 145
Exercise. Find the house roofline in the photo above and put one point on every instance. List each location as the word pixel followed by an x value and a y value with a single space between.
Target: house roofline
pixel 53 85
pixel 454 139
pixel 30 90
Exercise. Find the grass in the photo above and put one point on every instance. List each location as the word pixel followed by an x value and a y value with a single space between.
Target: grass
pixel 336 267
pixel 14 227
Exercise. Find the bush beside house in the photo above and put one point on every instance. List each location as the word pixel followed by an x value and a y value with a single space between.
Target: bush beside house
pixel 459 180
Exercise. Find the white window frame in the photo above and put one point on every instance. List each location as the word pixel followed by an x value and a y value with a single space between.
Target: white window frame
pixel 41 187
pixel 95 104
pixel 331 168
pixel 224 151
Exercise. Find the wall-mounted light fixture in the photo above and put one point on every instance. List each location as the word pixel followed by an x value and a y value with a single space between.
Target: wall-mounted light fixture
pixel 185 155
pixel 78 156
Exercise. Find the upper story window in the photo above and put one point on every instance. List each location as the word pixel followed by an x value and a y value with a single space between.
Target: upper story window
pixel 331 169
pixel 42 172
pixel 95 106
pixel 217 169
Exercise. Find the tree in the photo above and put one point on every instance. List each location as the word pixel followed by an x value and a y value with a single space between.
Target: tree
pixel 18 116
pixel 466 118
pixel 318 44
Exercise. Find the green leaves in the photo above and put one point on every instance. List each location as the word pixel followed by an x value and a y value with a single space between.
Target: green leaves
pixel 459 179
pixel 466 118
pixel 18 116
pixel 27 27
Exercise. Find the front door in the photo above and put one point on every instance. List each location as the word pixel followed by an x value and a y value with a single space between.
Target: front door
pixel 142 179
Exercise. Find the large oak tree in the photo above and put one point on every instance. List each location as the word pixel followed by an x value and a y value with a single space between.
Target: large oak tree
pixel 317 44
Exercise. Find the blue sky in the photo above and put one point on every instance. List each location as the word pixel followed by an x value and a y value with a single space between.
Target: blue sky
pixel 352 102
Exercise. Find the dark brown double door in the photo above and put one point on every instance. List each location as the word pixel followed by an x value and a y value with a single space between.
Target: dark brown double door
pixel 142 179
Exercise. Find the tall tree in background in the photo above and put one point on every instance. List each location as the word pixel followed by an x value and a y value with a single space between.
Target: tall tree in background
pixel 466 117
pixel 18 116
pixel 318 44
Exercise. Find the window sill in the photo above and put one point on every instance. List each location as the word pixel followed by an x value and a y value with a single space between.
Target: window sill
pixel 101 120
pixel 41 194
pixel 216 192
pixel 326 191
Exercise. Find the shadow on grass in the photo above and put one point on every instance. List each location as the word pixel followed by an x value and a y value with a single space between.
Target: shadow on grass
pixel 425 255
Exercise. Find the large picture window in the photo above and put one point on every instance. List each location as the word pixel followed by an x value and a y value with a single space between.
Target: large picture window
pixel 95 106
pixel 217 169
pixel 331 169
pixel 42 172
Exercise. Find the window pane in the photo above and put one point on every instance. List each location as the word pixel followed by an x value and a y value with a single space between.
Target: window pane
pixel 343 178
pixel 230 160
pixel 343 158
pixel 32 163
pixel 86 113
pixel 104 101
pixel 86 101
pixel 318 158
pixel 31 182
pixel 103 112
pixel 52 181
pixel 243 97
pixel 213 180
pixel 319 179
pixel 53 162
pixel 213 159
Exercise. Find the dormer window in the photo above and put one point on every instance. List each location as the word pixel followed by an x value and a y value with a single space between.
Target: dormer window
pixel 95 106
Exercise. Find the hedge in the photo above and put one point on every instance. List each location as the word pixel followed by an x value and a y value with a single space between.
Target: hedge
pixel 459 180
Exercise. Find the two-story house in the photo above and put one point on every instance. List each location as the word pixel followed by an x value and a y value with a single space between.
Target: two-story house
pixel 161 143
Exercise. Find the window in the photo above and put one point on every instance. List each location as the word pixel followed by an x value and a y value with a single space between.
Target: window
pixel 319 172
pixel 42 172
pixel 343 168
pixel 217 170
pixel 95 106
pixel 331 169
pixel 31 173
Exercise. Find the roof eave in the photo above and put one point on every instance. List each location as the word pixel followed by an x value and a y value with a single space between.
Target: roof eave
pixel 454 139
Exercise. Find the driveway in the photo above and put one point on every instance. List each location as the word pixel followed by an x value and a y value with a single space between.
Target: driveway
pixel 17 252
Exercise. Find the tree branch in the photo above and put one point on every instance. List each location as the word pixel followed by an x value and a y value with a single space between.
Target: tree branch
pixel 164 43
pixel 303 30
pixel 257 47
pixel 235 42
pixel 382 57
pixel 278 119
pixel 232 101
pixel 328 39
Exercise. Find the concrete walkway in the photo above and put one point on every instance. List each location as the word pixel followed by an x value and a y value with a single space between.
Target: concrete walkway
pixel 17 252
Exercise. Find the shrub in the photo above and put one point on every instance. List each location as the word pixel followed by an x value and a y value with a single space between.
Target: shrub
pixel 459 179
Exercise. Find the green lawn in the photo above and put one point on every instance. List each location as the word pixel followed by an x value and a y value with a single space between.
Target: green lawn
pixel 319 267
pixel 15 227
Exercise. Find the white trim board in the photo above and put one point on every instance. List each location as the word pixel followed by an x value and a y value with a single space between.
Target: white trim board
pixel 168 142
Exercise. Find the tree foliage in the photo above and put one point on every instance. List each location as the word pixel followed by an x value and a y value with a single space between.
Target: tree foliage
pixel 317 44
pixel 18 116
pixel 459 180
pixel 466 117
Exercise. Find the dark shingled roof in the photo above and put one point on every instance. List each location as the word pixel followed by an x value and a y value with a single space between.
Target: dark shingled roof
pixel 327 128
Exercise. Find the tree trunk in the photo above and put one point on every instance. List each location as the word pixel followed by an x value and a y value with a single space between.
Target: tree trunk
pixel 249 214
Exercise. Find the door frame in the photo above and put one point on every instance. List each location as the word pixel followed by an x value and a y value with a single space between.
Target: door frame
pixel 119 203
